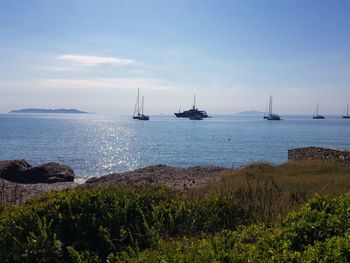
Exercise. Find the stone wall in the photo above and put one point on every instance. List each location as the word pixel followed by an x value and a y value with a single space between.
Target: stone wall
pixel 320 153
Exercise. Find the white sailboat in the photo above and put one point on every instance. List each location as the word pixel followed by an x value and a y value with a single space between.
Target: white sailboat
pixel 138 114
pixel 318 116
pixel 271 116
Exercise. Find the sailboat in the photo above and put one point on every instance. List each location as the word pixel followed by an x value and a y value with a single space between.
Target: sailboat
pixel 137 114
pixel 318 116
pixel 347 116
pixel 271 116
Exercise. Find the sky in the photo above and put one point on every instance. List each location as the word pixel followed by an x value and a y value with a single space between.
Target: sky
pixel 94 55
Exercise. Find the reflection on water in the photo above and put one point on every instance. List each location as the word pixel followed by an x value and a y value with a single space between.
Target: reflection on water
pixel 96 144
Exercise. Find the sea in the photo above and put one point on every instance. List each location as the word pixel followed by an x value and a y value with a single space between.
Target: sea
pixel 95 145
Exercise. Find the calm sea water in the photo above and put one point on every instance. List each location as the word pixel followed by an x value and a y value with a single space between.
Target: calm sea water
pixel 96 144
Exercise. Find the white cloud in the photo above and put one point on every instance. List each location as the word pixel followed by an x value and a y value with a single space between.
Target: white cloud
pixel 87 60
pixel 106 83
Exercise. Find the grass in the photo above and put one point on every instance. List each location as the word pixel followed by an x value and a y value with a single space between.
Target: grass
pixel 270 191
pixel 309 176
pixel 10 194
pixel 260 213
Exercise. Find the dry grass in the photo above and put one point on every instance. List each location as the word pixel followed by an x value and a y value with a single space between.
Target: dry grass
pixel 10 194
pixel 270 192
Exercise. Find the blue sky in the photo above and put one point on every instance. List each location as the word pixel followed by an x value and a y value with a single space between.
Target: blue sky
pixel 93 55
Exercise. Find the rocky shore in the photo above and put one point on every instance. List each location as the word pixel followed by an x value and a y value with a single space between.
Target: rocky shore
pixel 174 177
pixel 19 181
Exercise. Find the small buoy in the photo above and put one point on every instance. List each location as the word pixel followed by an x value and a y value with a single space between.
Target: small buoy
pixel 229 139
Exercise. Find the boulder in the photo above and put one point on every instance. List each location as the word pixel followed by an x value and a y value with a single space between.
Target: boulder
pixel 19 171
pixel 50 173
pixel 14 170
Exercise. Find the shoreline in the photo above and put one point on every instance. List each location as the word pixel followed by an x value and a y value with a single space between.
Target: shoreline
pixel 59 176
pixel 177 178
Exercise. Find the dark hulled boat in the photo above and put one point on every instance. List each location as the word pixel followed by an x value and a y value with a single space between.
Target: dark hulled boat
pixel 271 116
pixel 137 114
pixel 321 117
pixel 192 113
pixel 274 117
pixel 318 116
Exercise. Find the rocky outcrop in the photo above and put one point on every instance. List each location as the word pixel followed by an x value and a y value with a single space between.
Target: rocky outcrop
pixel 174 177
pixel 14 170
pixel 320 153
pixel 20 171
pixel 50 173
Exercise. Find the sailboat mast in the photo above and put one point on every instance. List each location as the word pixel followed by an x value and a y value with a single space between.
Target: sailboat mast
pixel 317 109
pixel 194 102
pixel 270 106
pixel 135 108
pixel 138 101
pixel 347 110
pixel 142 105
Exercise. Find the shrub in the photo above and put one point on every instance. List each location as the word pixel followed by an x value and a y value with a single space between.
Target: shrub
pixel 156 224
pixel 318 232
pixel 80 224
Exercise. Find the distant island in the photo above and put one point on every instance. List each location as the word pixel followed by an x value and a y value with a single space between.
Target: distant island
pixel 34 110
pixel 250 113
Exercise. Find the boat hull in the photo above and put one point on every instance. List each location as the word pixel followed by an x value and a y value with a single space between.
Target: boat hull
pixel 319 117
pixel 273 117
pixel 194 118
pixel 144 118
pixel 191 113
pixel 141 117
pixel 346 117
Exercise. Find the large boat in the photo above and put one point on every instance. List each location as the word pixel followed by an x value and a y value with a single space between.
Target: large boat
pixel 138 111
pixel 347 116
pixel 194 112
pixel 317 116
pixel 271 116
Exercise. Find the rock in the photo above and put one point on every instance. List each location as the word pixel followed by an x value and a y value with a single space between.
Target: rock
pixel 50 173
pixel 340 156
pixel 14 170
pixel 91 180
pixel 19 171
pixel 55 179
pixel 174 177
pixel 14 193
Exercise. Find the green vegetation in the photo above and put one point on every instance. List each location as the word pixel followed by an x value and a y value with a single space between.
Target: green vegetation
pixel 241 217
pixel 318 232
pixel 94 222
